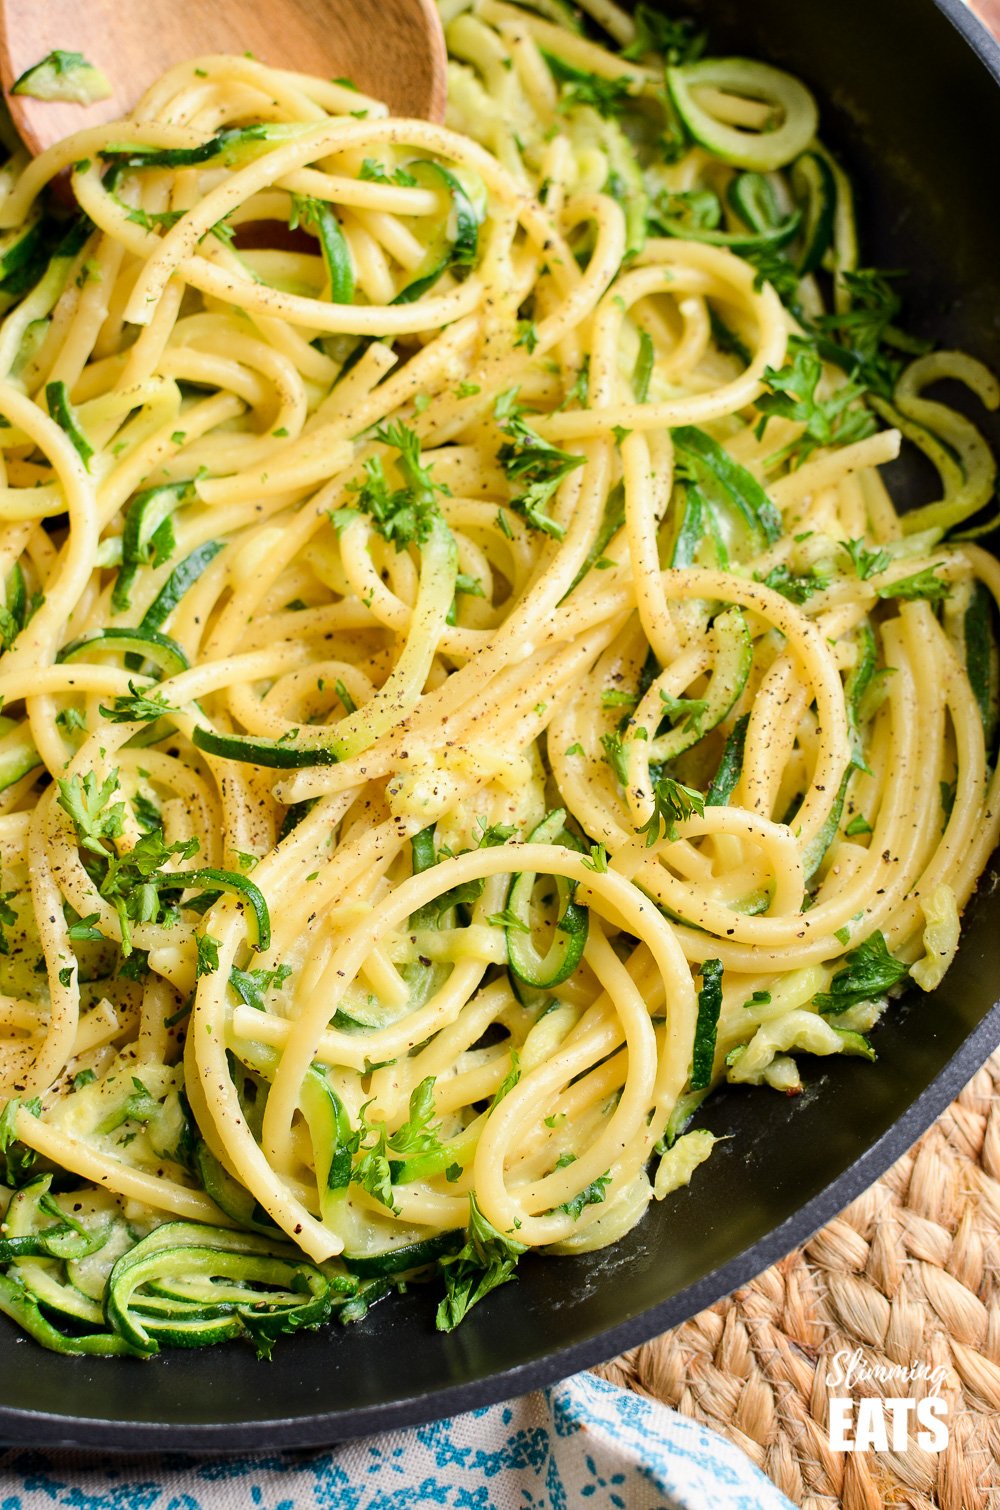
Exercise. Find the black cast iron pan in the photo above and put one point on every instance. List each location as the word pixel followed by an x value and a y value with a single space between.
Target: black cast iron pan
pixel 908 101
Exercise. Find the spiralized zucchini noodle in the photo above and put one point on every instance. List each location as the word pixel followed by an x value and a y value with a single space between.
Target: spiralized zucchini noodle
pixel 467 689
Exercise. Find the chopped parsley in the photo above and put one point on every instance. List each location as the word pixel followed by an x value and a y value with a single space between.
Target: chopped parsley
pixel 135 881
pixel 870 972
pixel 597 860
pixel 250 985
pixel 83 930
pixel 614 754
pixel 676 41
pixel 509 1081
pixel 866 563
pixel 924 584
pixel 404 515
pixel 684 712
pixel 137 707
pixel 372 171
pixel 672 803
pixel 533 463
pixel 837 420
pixel 418 1134
pixel 796 587
pixel 591 1195
pixel 527 335
pixel 507 919
pixel 487 1261
pixel 208 955
pixel 606 96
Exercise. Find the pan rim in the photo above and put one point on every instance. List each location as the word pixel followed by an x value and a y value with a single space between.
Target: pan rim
pixel 23 1427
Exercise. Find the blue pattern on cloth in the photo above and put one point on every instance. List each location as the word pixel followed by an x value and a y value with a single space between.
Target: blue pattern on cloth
pixel 584 1444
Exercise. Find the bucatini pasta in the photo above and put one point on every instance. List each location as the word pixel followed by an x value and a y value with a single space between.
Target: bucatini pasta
pixel 466 686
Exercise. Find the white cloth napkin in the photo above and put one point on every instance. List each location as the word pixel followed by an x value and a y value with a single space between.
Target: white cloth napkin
pixel 582 1443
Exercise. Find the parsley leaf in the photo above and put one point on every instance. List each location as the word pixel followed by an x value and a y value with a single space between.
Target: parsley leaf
pixel 795 587
pixel 403 515
pixel 672 802
pixel 84 932
pixel 137 706
pixel 870 972
pixel 676 42
pixel 147 814
pixel 861 330
pixel 922 584
pixel 132 881
pixel 837 420
pixel 487 1261
pixel 775 268
pixel 866 563
pixel 614 754
pixel 606 96
pixel 70 719
pixel 86 802
pixel 598 859
pixel 150 219
pixel 250 985
pixel 418 1134
pixel 684 712
pixel 208 955
pixel 372 171
pixel 509 1081
pixel 527 335
pixel 591 1195
pixel 139 1107
pixel 395 514
pixel 529 459
pixel 374 1174
pixel 507 919
pixel 9 628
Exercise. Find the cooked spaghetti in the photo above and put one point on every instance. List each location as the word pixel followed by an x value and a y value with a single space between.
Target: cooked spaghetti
pixel 466 687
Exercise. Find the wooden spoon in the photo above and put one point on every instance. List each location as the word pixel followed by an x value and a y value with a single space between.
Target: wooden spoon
pixel 392 49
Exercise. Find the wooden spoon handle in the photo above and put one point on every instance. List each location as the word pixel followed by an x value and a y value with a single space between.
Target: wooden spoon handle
pixel 392 49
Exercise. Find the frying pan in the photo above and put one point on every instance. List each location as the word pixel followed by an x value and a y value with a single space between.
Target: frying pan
pixel 908 102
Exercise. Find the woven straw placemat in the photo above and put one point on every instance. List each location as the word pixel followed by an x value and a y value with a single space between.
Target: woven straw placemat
pixel 908 1273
